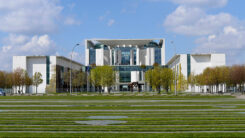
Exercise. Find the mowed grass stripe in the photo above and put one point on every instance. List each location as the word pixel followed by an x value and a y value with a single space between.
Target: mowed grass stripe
pixel 124 129
pixel 131 135
pixel 145 115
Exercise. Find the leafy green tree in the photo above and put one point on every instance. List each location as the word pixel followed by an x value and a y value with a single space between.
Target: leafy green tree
pixel 51 87
pixel 102 76
pixel 37 80
pixel 216 77
pixel 19 79
pixel 79 78
pixel 167 78
pixel 27 81
pixel 207 78
pixel 158 77
pixel 149 77
pixel 95 76
pixel 181 81
pixel 143 67
pixel 107 76
pixel 200 80
pixel 9 80
pixel 2 79
pixel 237 76
pixel 192 80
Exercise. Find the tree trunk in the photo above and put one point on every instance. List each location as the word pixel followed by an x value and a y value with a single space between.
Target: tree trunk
pixel 109 90
pixel 36 89
pixel 21 89
pixel 217 88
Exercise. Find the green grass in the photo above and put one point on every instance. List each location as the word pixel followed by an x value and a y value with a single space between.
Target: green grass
pixel 148 116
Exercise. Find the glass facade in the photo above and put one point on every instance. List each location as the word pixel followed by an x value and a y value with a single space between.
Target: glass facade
pixel 128 68
pixel 112 57
pixel 92 56
pixel 134 56
pixel 125 53
pixel 158 55
pixel 140 76
pixel 124 88
pixel 125 76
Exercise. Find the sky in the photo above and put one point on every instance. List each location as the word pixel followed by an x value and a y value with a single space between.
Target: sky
pixel 53 27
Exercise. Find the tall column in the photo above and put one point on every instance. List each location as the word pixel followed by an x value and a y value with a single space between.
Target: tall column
pixel 115 57
pixel 148 56
pixel 137 55
pixel 131 57
pixel 152 58
pixel 110 57
pixel 99 59
pixel 163 53
pixel 119 57
pixel 86 53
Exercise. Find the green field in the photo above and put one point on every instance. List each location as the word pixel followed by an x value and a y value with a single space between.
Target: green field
pixel 138 116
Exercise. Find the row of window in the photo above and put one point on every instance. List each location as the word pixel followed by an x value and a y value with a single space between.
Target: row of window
pixel 125 56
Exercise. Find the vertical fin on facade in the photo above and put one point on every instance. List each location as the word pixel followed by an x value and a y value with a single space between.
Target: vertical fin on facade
pixel 47 69
pixel 188 65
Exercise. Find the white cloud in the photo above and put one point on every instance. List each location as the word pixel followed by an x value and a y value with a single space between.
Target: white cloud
pixel 71 21
pixel 194 21
pixel 211 37
pixel 202 3
pixel 104 16
pixel 19 45
pixel 218 33
pixel 29 16
pixel 110 22
pixel 230 30
pixel 77 56
pixel 231 43
pixel 71 5
pixel 130 8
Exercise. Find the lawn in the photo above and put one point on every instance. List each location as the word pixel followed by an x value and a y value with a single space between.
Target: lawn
pixel 132 116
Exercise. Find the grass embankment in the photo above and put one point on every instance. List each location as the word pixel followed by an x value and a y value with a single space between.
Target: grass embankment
pixel 148 116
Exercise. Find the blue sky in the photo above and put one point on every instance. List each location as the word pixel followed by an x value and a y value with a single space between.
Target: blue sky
pixel 52 27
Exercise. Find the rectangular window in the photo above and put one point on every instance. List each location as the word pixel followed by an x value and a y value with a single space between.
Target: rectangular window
pixel 134 56
pixel 112 57
pixel 92 53
pixel 125 76
pixel 125 53
pixel 140 76
pixel 158 55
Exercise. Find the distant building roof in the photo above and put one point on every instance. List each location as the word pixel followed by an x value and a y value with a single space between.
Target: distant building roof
pixel 126 42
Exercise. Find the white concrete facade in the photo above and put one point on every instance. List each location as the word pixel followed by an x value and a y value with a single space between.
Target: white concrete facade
pixel 195 63
pixel 103 53
pixel 46 65
pixel 125 53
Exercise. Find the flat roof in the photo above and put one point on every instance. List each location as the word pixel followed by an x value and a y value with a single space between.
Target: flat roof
pixel 62 57
pixel 126 42
pixel 194 54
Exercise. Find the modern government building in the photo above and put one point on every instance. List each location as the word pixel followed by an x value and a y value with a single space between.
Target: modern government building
pixel 129 57
pixel 126 56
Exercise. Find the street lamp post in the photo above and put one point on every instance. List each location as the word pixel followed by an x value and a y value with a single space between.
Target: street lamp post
pixel 175 70
pixel 71 67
